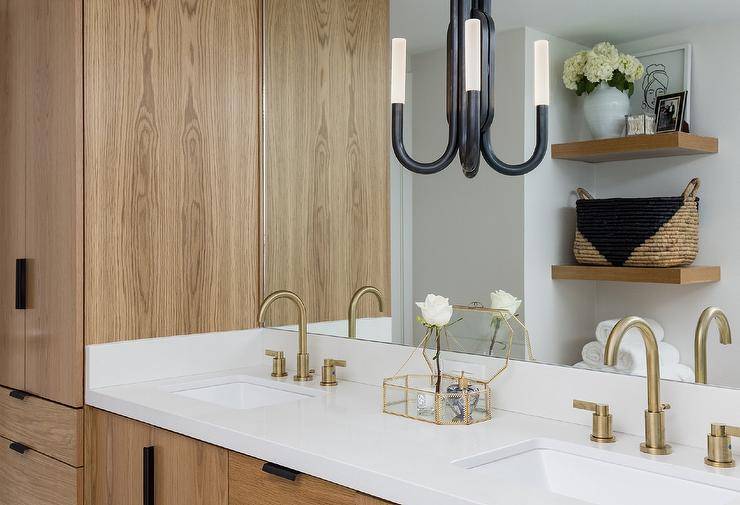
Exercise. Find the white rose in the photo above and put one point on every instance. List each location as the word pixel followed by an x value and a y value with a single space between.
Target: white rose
pixel 502 300
pixel 436 310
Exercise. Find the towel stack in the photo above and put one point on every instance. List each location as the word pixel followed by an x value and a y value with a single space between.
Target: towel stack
pixel 631 358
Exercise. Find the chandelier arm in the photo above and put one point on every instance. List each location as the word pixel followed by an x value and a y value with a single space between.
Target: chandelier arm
pixel 539 151
pixel 407 161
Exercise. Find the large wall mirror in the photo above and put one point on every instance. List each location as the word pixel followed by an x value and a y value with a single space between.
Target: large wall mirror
pixel 340 212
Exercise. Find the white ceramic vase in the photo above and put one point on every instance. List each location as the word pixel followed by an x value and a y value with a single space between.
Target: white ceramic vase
pixel 604 110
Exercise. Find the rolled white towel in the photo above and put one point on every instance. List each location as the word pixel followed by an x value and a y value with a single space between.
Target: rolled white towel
pixel 633 335
pixel 631 355
pixel 676 372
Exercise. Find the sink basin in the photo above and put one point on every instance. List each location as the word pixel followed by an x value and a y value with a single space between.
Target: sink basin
pixel 598 477
pixel 244 392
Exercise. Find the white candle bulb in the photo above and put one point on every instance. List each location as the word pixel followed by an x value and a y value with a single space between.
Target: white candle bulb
pixel 542 72
pixel 398 71
pixel 472 55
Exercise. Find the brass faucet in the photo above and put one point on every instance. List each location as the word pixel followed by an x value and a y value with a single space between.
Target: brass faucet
pixel 352 313
pixel 719 446
pixel 700 339
pixel 304 372
pixel 655 413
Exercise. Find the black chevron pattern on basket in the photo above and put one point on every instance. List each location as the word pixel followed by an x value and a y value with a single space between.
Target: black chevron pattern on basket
pixel 616 226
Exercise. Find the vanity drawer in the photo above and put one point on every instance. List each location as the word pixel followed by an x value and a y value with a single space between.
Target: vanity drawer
pixel 249 484
pixel 46 427
pixel 34 479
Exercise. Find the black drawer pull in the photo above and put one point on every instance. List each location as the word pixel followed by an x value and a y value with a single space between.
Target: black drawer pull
pixel 148 475
pixel 19 395
pixel 280 471
pixel 19 448
pixel 21 273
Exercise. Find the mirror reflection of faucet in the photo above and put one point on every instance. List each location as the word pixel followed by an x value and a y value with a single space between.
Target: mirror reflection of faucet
pixel 352 312
pixel 700 339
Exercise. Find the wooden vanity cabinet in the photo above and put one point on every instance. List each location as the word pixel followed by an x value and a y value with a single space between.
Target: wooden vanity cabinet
pixel 186 471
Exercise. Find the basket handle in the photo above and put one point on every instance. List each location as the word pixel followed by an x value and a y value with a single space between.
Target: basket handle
pixel 691 189
pixel 583 194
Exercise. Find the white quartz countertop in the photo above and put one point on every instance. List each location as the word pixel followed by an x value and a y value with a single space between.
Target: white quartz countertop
pixel 342 436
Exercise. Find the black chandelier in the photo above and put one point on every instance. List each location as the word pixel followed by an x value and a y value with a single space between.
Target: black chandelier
pixel 471 37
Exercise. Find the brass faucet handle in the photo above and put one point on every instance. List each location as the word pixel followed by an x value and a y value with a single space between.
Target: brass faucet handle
pixel 601 430
pixel 278 362
pixel 719 445
pixel 329 371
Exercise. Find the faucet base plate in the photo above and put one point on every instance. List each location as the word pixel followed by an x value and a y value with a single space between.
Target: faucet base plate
pixel 603 440
pixel 662 451
pixel 717 464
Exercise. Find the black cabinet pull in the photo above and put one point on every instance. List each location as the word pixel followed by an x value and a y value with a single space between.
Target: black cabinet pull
pixel 280 471
pixel 149 475
pixel 18 394
pixel 19 448
pixel 21 273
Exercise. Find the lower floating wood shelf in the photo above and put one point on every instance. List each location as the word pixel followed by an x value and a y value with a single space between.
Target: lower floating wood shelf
pixel 677 275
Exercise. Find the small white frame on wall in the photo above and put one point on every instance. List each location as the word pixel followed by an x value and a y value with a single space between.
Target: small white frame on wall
pixel 667 70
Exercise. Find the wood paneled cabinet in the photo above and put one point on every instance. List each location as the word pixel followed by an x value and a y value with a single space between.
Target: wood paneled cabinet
pixel 41 279
pixel 124 459
pixel 189 472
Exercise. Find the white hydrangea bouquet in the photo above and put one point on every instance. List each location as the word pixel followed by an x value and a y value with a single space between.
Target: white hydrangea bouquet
pixel 604 63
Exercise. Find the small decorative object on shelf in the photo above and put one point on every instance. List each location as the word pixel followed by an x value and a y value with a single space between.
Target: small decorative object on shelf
pixel 670 111
pixel 439 397
pixel 639 124
pixel 608 78
pixel 638 232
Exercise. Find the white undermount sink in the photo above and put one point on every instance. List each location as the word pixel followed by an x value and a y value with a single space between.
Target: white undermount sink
pixel 244 392
pixel 599 477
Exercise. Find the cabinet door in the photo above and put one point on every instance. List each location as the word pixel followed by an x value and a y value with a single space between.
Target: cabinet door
pixel 54 201
pixel 186 471
pixel 114 455
pixel 189 472
pixel 12 186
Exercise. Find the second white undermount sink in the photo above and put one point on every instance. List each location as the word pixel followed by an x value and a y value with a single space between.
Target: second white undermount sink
pixel 244 392
pixel 592 476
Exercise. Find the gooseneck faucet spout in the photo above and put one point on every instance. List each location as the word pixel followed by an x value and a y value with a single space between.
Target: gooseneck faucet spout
pixel 304 372
pixel 655 413
pixel 700 339
pixel 352 313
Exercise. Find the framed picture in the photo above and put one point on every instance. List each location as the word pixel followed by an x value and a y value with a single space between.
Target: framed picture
pixel 667 71
pixel 669 112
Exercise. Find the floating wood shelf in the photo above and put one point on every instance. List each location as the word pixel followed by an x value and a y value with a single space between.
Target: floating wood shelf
pixel 678 275
pixel 637 147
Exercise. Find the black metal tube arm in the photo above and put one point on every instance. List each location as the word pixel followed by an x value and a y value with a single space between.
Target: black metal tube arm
pixel 539 151
pixel 403 157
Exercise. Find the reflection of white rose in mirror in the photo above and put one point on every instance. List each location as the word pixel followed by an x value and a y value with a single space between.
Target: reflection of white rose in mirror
pixel 502 300
pixel 436 310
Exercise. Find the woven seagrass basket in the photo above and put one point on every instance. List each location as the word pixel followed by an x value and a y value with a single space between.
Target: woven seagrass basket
pixel 638 232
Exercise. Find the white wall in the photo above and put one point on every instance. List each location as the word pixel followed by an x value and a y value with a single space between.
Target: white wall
pixel 716 112
pixel 468 233
pixel 560 315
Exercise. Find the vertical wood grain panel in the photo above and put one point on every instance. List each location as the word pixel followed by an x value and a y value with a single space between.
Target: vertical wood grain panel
pixel 172 167
pixel 327 194
pixel 114 458
pixel 189 472
pixel 13 25
pixel 54 327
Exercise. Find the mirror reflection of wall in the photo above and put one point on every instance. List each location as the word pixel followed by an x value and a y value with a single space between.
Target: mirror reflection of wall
pixel 464 238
